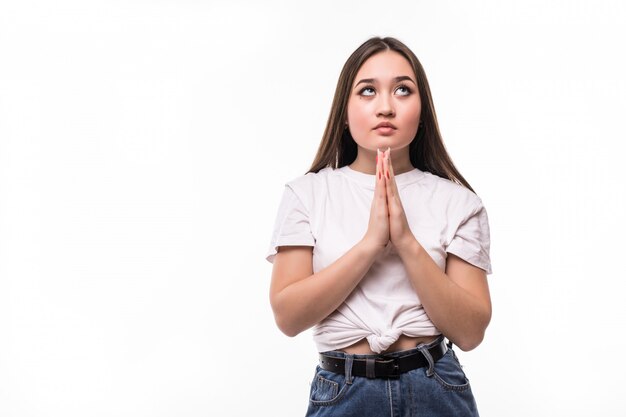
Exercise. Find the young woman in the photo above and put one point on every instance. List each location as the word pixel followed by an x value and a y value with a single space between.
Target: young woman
pixel 383 247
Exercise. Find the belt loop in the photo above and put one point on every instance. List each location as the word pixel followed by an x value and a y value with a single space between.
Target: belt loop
pixel 370 367
pixel 349 360
pixel 431 364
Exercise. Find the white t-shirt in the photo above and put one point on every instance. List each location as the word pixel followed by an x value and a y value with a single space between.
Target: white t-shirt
pixel 330 210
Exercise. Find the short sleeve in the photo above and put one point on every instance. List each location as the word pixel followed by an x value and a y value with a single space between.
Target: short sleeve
pixel 471 240
pixel 292 227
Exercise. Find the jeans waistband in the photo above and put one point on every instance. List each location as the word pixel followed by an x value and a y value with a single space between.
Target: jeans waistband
pixel 390 365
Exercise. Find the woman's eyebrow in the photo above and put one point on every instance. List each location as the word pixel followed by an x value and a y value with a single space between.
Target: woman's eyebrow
pixel 395 80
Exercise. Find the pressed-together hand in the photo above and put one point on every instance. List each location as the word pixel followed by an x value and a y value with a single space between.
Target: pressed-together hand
pixel 399 231
pixel 378 227
pixel 387 217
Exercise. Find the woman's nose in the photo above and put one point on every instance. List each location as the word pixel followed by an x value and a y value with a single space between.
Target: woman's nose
pixel 385 107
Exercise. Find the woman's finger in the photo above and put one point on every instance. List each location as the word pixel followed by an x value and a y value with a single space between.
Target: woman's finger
pixel 392 178
pixel 380 174
pixel 388 173
pixel 381 186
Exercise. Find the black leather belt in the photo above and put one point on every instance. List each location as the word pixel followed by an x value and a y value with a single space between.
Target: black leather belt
pixel 383 366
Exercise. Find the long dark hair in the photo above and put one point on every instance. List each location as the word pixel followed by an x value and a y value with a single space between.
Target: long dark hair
pixel 426 152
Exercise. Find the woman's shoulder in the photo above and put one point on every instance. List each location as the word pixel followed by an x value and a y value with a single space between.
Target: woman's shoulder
pixel 451 191
pixel 310 184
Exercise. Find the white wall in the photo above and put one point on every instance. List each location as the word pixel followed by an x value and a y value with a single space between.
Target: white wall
pixel 143 150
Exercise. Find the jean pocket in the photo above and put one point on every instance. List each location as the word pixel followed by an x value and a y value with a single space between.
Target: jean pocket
pixel 449 374
pixel 327 387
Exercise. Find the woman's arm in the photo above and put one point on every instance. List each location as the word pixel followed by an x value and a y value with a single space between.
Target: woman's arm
pixel 457 301
pixel 300 298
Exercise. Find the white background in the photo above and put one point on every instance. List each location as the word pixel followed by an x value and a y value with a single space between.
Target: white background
pixel 144 146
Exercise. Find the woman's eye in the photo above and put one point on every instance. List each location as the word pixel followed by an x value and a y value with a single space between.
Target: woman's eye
pixel 403 90
pixel 367 91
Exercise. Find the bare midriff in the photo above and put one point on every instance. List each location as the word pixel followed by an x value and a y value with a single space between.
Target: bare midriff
pixel 362 347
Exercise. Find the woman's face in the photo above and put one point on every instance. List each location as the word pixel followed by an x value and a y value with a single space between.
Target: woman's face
pixel 384 105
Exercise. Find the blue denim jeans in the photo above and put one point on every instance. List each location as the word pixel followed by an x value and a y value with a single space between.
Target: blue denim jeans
pixel 441 389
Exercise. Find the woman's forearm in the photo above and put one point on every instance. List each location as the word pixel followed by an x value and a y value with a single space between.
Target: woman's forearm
pixel 306 302
pixel 460 315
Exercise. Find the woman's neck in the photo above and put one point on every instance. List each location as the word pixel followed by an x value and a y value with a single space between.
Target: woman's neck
pixel 365 162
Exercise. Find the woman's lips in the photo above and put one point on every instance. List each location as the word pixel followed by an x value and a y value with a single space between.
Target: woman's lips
pixel 385 130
